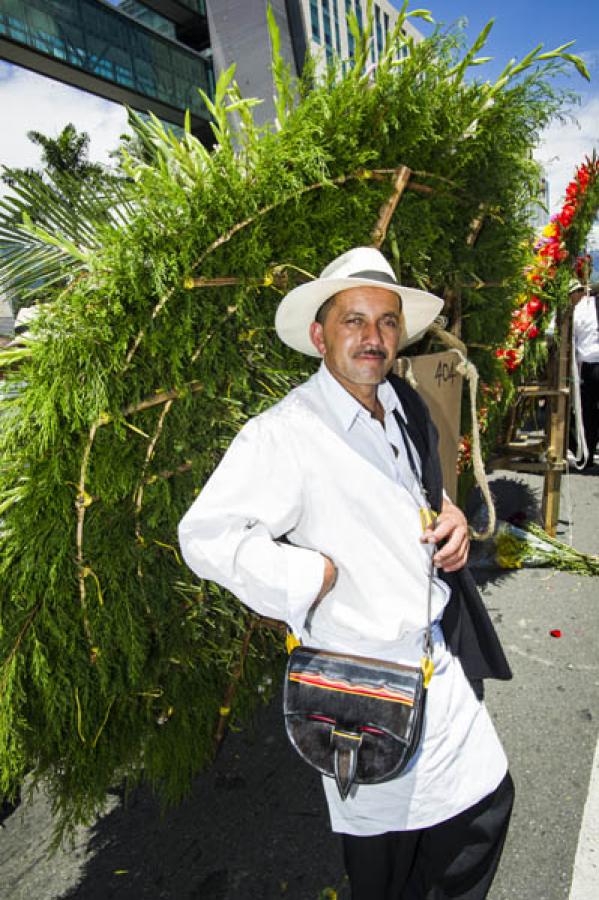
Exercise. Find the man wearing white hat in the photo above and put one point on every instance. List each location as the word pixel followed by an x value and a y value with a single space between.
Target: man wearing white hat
pixel 313 516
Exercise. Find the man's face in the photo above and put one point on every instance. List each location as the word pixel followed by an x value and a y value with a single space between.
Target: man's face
pixel 361 334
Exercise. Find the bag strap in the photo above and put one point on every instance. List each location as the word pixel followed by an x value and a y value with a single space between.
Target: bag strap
pixel 427 517
pixel 408 445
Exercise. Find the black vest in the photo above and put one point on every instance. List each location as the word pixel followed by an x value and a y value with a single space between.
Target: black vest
pixel 468 630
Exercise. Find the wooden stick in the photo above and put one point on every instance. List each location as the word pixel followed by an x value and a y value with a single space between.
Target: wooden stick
pixel 158 399
pixel 453 308
pixel 140 335
pixel 139 494
pixel 476 225
pixel 225 709
pixel 81 506
pixel 6 663
pixel 481 285
pixel 168 473
pixel 557 432
pixel 379 232
pixel 202 282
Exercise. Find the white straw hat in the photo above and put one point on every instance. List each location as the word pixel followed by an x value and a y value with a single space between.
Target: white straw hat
pixel 575 285
pixel 361 266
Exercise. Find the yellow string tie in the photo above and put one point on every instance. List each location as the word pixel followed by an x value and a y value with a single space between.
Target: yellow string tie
pixel 291 642
pixel 428 518
pixel 428 667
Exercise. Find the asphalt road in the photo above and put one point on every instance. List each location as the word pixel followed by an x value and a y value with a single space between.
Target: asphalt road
pixel 255 826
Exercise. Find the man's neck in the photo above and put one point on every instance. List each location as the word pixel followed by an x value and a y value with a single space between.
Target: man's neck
pixel 365 394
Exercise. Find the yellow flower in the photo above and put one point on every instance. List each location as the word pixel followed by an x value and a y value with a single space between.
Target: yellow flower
pixel 504 561
pixel 551 230
pixel 509 551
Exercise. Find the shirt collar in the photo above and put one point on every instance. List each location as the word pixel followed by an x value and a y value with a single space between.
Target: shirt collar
pixel 345 406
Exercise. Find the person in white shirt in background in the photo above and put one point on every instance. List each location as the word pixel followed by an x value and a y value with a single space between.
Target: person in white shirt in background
pixel 586 343
pixel 325 469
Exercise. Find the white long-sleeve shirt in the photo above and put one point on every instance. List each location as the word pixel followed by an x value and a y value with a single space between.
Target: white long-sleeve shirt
pixel 318 468
pixel 586 330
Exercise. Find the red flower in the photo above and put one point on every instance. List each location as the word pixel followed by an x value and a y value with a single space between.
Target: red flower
pixel 533 332
pixel 533 306
pixel 571 191
pixel 566 215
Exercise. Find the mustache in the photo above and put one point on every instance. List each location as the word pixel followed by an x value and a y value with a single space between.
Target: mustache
pixel 370 351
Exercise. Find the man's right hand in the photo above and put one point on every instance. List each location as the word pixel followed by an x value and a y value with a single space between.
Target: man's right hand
pixel 329 578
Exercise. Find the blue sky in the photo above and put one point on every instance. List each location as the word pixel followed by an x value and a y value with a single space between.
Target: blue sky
pixel 29 101
pixel 518 27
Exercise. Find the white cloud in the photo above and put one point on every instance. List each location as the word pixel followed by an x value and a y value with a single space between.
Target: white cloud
pixel 564 147
pixel 32 102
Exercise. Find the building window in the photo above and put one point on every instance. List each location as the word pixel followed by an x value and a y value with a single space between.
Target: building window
pixel 351 44
pixel 337 34
pixel 379 31
pixel 402 49
pixel 315 20
pixel 360 15
pixel 328 35
pixel 148 17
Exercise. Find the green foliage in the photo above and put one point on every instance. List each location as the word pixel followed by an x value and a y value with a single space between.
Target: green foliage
pixel 53 218
pixel 115 661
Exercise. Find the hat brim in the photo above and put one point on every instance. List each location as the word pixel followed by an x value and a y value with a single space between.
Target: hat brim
pixel 297 310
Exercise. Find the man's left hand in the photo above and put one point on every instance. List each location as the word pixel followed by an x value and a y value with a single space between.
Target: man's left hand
pixel 452 528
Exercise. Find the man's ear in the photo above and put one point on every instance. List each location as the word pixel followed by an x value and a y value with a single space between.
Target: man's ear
pixel 317 337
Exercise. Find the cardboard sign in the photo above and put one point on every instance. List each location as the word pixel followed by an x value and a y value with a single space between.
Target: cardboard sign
pixel 440 385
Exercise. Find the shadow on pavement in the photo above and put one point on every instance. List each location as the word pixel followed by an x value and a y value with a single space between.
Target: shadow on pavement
pixel 515 501
pixel 255 827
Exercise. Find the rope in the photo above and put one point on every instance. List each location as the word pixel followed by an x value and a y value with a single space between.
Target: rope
pixel 408 372
pixel 470 373
pixel 582 452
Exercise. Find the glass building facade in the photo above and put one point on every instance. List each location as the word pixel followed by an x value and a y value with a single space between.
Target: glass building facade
pixel 136 50
pixel 314 20
pixel 328 33
pixel 147 16
pixel 327 24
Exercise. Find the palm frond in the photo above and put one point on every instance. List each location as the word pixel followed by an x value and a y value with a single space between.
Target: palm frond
pixel 48 230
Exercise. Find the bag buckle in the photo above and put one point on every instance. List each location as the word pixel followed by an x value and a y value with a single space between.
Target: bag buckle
pixel 346 745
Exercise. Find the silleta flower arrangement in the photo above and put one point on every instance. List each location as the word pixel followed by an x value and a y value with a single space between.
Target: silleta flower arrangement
pixel 532 547
pixel 552 251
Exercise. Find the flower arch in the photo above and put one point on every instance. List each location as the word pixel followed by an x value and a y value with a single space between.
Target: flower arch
pixel 557 258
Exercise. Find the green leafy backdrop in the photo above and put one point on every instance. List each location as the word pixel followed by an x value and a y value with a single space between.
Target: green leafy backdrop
pixel 114 661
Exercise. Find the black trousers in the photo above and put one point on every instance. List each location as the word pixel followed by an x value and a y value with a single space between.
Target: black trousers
pixel 589 400
pixel 455 859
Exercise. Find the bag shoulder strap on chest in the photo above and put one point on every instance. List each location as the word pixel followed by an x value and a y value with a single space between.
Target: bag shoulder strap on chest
pixel 423 435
